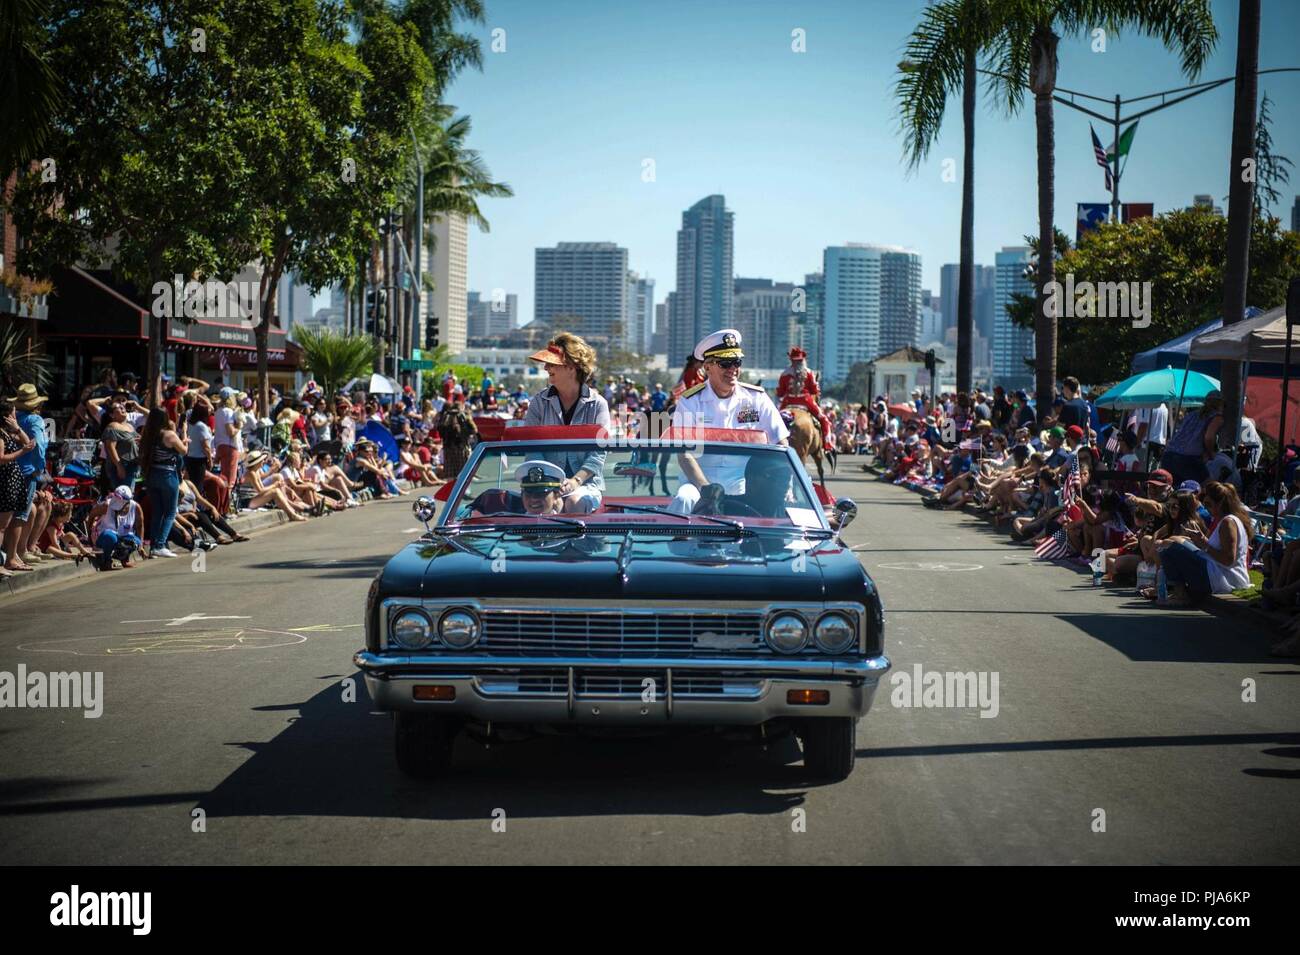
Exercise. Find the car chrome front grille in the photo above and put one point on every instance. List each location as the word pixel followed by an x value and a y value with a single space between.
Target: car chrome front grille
pixel 622 633
pixel 623 686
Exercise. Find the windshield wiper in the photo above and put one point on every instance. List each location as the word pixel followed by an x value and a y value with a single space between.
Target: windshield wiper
pixel 644 509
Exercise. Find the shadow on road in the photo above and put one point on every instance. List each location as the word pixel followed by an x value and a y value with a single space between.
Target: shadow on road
pixel 336 759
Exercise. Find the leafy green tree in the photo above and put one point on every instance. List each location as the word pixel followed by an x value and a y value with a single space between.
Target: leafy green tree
pixel 148 145
pixel 334 139
pixel 30 89
pixel 1182 254
pixel 1024 54
pixel 334 359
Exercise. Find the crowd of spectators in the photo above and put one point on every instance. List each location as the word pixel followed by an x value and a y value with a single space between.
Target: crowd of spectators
pixel 1139 499
pixel 132 479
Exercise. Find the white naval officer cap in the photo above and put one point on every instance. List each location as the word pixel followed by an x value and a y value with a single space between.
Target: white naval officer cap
pixel 721 344
pixel 539 474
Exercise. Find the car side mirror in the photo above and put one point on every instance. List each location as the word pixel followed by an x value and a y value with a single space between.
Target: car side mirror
pixel 846 512
pixel 424 510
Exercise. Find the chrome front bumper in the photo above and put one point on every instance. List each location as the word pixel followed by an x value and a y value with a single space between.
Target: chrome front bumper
pixel 496 688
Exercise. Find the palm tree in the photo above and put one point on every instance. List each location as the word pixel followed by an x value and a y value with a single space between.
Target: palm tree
pixel 940 59
pixel 334 359
pixel 1024 52
pixel 30 90
pixel 1241 197
pixel 20 361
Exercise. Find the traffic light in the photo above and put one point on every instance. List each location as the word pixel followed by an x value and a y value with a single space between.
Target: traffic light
pixel 431 332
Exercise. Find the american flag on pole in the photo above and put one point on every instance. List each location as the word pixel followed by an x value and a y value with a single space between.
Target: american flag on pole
pixel 1100 153
pixel 970 444
pixel 224 363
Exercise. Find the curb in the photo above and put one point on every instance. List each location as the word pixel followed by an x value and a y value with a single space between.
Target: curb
pixel 59 570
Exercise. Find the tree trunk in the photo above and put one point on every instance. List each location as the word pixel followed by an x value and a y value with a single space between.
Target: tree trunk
pixel 1241 206
pixel 269 283
pixel 1043 81
pixel 966 273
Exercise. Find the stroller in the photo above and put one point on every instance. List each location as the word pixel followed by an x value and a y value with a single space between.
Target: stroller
pixel 76 481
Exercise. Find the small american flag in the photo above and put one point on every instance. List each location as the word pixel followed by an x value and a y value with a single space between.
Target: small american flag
pixel 1100 153
pixel 970 444
pixel 1056 547
pixel 1073 487
pixel 224 362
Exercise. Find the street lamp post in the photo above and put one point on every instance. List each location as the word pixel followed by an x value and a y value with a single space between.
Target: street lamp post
pixel 1116 121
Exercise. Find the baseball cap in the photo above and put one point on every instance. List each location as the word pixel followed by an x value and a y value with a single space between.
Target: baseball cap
pixel 1074 431
pixel 119 498
pixel 1190 486
pixel 1058 432
pixel 1160 476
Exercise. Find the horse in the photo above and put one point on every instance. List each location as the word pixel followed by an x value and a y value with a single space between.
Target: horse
pixel 806 439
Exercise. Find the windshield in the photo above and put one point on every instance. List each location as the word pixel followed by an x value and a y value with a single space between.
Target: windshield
pixel 537 483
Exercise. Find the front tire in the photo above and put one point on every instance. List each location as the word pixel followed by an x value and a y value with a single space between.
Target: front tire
pixel 829 747
pixel 423 744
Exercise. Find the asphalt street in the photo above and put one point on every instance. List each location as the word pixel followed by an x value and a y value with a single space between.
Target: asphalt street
pixel 224 712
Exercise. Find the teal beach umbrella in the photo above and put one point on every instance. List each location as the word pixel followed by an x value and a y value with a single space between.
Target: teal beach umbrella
pixel 1162 385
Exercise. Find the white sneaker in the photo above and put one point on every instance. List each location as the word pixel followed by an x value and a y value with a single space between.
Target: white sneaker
pixel 162 552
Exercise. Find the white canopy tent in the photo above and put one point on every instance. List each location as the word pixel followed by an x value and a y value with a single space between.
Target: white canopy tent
pixel 375 385
pixel 1258 339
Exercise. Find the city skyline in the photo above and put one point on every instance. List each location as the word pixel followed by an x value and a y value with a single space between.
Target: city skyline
pixel 575 154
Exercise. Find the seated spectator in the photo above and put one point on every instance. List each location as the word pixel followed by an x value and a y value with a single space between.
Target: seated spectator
pixel 1196 565
pixel 58 541
pixel 1178 519
pixel 326 474
pixel 292 479
pixel 1041 508
pixel 117 521
pixel 206 515
pixel 265 485
pixel 1128 459
pixel 413 468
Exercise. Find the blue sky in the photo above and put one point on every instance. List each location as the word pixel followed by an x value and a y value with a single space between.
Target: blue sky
pixel 804 146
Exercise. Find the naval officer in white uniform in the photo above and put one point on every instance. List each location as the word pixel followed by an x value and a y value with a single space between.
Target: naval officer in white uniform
pixel 721 401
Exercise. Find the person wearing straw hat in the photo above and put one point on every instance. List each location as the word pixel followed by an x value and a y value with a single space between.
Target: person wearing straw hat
pixel 29 519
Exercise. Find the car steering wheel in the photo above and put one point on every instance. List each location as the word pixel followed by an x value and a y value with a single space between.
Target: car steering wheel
pixel 734 507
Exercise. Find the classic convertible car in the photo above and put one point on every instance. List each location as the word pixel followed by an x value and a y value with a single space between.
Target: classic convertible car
pixel 523 611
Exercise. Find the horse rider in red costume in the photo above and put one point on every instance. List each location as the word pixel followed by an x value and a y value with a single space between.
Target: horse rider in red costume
pixel 798 386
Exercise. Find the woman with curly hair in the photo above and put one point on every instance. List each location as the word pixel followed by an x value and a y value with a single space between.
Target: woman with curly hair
pixel 570 362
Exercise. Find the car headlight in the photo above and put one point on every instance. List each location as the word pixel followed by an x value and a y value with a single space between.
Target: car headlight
pixel 787 633
pixel 411 630
pixel 834 633
pixel 459 629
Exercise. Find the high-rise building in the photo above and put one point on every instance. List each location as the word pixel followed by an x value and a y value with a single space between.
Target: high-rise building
pixel 640 313
pixel 949 279
pixel 659 340
pixel 444 310
pixel 295 302
pixel 492 317
pixel 873 297
pixel 764 317
pixel 1295 215
pixel 1206 201
pixel 808 332
pixel 931 324
pixel 1011 343
pixel 583 286
pixel 703 302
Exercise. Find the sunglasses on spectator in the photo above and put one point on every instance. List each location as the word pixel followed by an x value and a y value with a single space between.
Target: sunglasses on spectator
pixel 730 362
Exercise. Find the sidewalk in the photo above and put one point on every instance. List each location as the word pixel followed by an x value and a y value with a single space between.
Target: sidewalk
pixel 55 571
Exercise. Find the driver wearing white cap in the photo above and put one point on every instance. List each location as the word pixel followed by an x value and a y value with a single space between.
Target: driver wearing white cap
pixel 722 400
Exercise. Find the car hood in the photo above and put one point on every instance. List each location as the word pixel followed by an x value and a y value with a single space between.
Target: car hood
pixel 603 565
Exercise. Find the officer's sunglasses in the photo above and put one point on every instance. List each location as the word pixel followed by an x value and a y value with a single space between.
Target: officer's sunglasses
pixel 729 362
